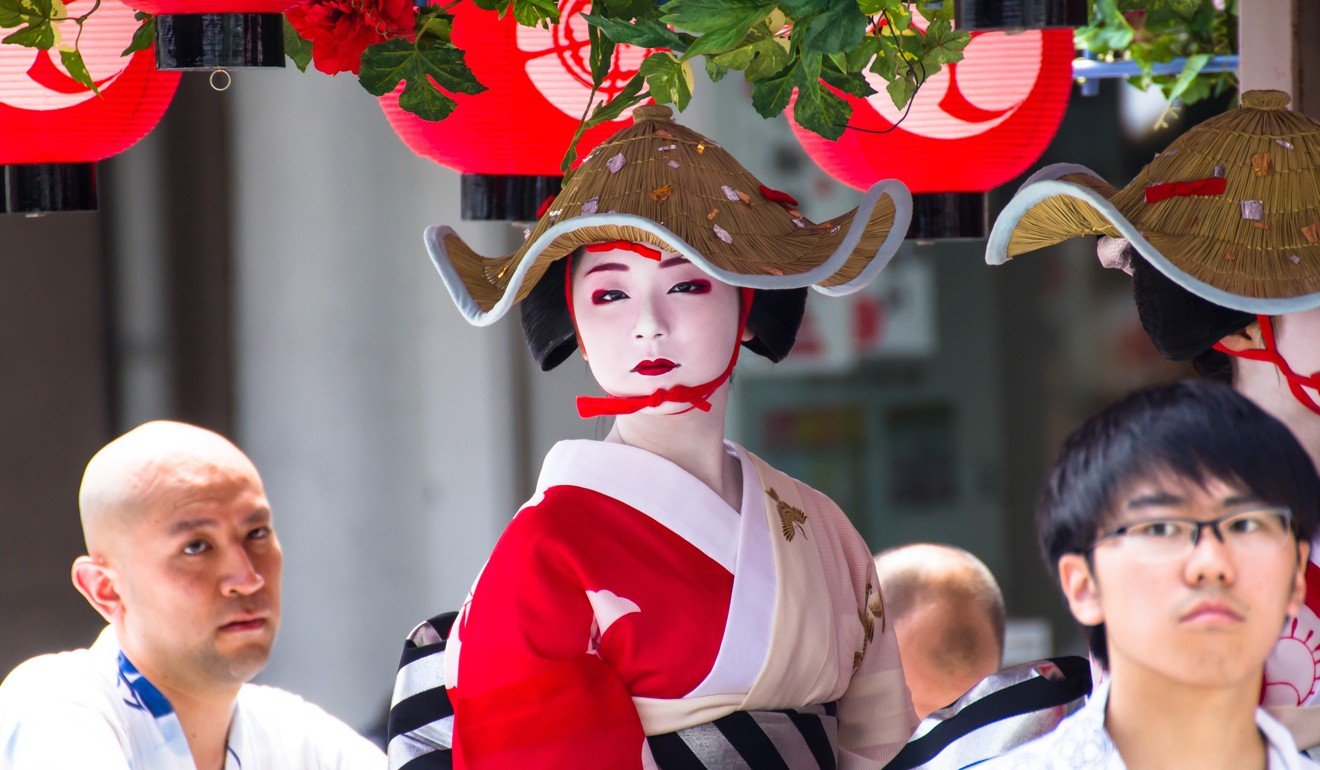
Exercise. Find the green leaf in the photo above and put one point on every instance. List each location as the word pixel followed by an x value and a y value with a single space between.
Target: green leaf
pixel 10 14
pixel 770 96
pixel 801 9
pixel 1193 68
pixel 714 70
pixel 771 56
pixel 601 55
pixel 502 6
pixel 847 82
pixel 840 28
pixel 630 9
pixel 533 13
pixel 40 35
pixel 817 108
pixel 758 60
pixel 424 100
pixel 77 69
pixel 424 69
pixel 901 90
pixel 720 24
pixel 298 50
pixel 645 33
pixel 434 25
pixel 630 95
pixel 942 45
pixel 669 79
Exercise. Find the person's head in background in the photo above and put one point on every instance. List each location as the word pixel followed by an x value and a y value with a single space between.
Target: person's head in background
pixel 182 558
pixel 948 615
pixel 1178 521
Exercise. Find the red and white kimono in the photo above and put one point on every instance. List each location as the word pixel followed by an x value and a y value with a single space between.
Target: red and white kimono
pixel 627 599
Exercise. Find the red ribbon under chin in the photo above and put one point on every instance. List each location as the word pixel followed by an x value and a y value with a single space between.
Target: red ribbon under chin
pixel 1215 185
pixel 1297 383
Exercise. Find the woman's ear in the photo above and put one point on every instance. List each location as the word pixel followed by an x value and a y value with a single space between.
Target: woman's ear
pixel 1080 589
pixel 1299 579
pixel 96 582
pixel 1249 338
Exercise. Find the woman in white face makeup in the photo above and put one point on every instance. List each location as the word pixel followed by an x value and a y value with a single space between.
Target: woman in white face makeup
pixel 666 599
pixel 1221 234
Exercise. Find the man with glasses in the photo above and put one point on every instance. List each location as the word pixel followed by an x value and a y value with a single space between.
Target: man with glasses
pixel 1178 521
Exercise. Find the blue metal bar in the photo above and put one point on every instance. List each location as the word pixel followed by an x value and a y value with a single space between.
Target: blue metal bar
pixel 1092 69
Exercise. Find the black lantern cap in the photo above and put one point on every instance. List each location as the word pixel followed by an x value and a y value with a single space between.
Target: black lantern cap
pixel 44 188
pixel 936 216
pixel 506 197
pixel 208 41
pixel 972 15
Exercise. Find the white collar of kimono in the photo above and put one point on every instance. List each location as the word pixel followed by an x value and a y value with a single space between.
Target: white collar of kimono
pixel 656 487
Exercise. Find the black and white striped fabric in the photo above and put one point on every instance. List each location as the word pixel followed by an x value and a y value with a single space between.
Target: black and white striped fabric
pixel 789 739
pixel 1003 711
pixel 421 724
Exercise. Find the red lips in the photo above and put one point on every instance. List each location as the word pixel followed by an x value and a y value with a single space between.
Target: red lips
pixel 655 368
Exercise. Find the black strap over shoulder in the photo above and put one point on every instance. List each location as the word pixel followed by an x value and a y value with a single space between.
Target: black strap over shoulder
pixel 1005 710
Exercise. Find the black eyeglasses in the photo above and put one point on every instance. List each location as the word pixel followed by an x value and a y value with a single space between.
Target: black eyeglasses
pixel 1256 532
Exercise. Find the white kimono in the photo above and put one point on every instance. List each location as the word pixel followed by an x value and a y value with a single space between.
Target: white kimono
pixel 92 709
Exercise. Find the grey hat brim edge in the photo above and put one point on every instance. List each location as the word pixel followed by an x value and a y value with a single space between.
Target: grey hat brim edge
pixel 435 235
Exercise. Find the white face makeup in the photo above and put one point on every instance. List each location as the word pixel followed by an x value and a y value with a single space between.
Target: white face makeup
pixel 647 324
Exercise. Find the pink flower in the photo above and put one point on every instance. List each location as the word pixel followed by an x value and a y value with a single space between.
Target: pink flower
pixel 340 30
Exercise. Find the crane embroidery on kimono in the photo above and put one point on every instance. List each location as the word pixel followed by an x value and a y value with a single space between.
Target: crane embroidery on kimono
pixel 791 519
pixel 872 608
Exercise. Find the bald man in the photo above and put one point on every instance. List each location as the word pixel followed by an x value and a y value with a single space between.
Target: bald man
pixel 948 614
pixel 183 563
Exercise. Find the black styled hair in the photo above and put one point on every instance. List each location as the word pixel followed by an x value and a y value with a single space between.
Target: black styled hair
pixel 1196 430
pixel 1182 325
pixel 774 320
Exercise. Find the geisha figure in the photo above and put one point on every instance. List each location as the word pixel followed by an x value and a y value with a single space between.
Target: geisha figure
pixel 665 598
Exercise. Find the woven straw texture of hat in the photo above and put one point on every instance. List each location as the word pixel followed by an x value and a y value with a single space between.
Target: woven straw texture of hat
pixel 678 178
pixel 1260 238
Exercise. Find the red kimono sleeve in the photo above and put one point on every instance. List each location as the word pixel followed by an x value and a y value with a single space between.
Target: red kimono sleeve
pixel 528 692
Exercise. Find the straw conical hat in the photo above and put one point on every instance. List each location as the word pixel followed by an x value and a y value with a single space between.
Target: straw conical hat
pixel 1233 217
pixel 659 183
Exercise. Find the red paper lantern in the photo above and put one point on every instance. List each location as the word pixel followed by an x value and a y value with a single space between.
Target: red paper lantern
pixel 52 129
pixel 509 140
pixel 973 126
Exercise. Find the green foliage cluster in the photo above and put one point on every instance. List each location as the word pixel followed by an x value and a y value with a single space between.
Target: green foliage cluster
pixel 780 46
pixel 1150 32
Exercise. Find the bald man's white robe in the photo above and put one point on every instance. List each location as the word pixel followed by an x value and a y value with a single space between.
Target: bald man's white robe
pixel 92 709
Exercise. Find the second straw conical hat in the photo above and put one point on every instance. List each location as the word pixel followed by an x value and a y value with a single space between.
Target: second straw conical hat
pixel 1230 211
pixel 659 183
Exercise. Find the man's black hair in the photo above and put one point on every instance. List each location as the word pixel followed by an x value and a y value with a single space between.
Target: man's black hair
pixel 1196 430
pixel 774 320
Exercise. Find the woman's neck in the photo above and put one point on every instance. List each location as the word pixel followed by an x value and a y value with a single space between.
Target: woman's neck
pixel 693 440
pixel 1161 724
pixel 1261 382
